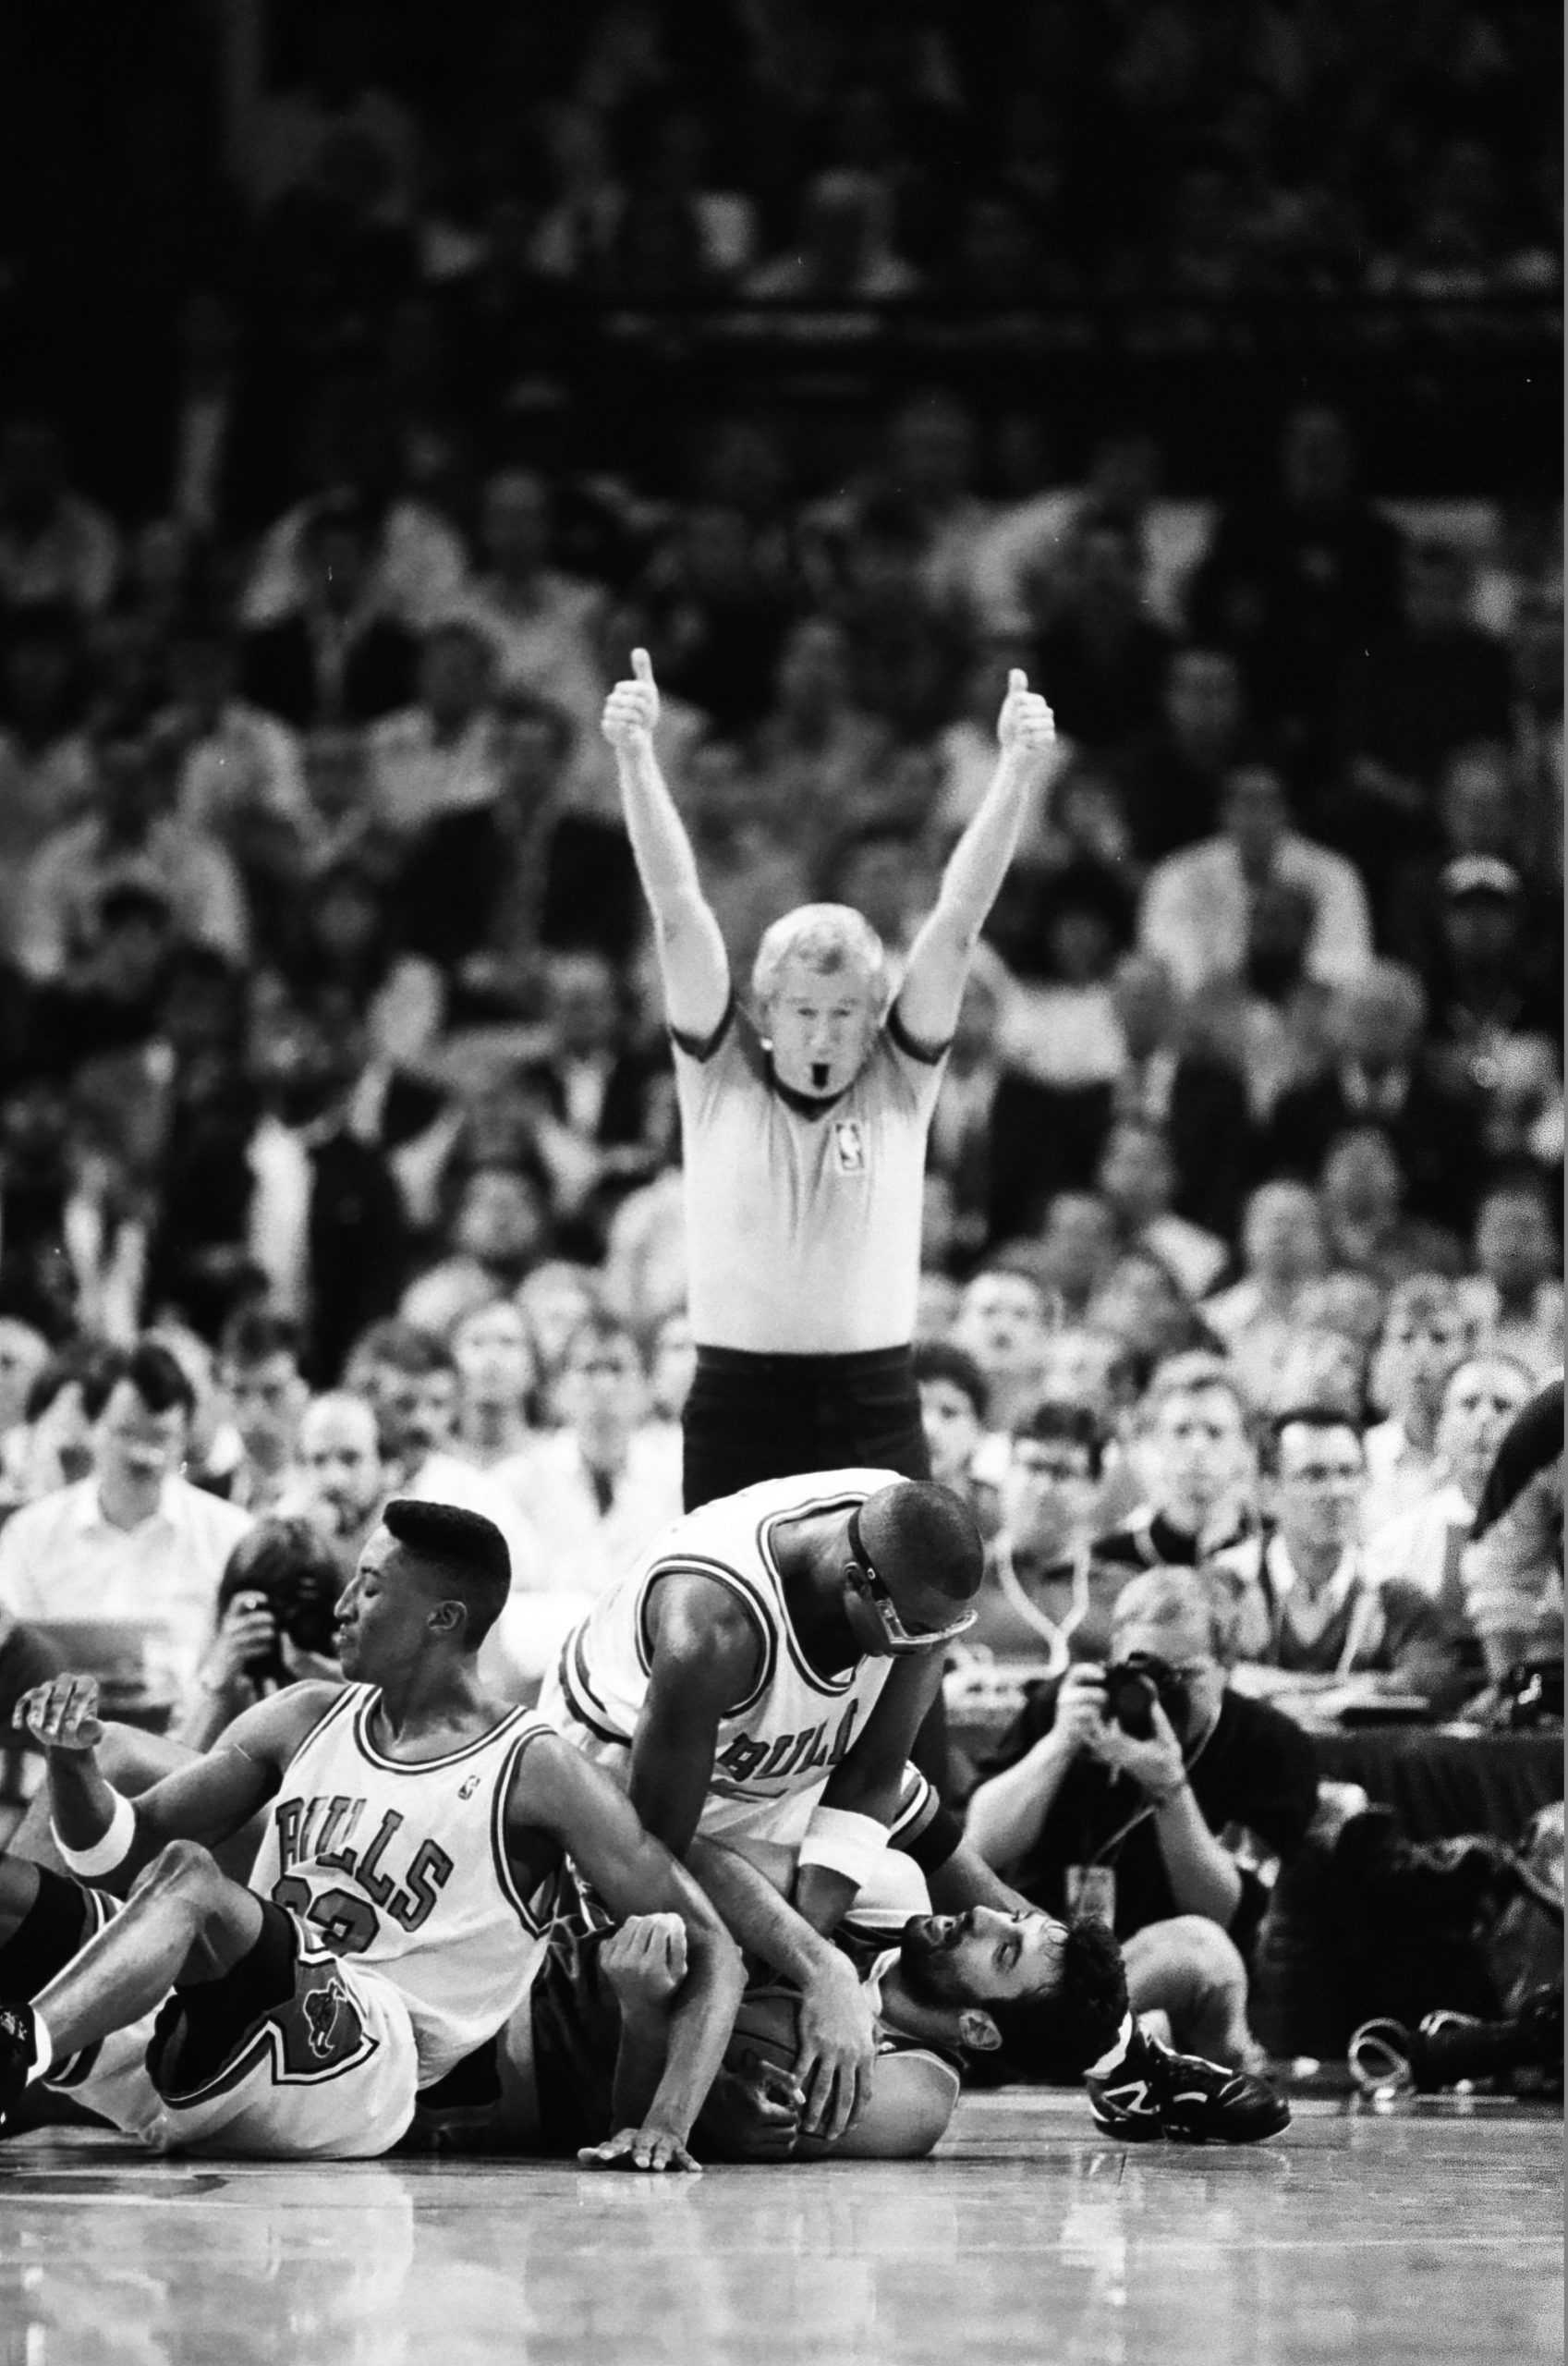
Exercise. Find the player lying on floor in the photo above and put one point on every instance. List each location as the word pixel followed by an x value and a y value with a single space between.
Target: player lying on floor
pixel 396 1912
pixel 757 1680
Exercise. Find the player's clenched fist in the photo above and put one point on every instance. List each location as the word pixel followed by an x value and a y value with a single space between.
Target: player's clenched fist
pixel 62 1715
pixel 645 1960
pixel 632 708
pixel 1026 726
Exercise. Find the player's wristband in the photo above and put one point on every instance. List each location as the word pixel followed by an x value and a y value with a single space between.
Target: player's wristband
pixel 842 1843
pixel 106 1854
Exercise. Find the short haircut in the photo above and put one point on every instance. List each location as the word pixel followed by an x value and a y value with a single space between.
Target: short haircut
pixel 1054 1420
pixel 253 1335
pixel 1518 1181
pixel 1301 1417
pixel 1193 1374
pixel 158 1378
pixel 945 1360
pixel 917 1529
pixel 1422 1297
pixel 64 1369
pixel 827 938
pixel 466 1551
pixel 600 1328
pixel 1050 2038
pixel 1167 1592
pixel 403 1347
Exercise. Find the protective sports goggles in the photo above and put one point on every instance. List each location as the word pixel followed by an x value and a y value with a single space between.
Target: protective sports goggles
pixel 899 1637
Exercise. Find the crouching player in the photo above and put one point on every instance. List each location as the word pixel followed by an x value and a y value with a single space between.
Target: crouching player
pixel 397 1912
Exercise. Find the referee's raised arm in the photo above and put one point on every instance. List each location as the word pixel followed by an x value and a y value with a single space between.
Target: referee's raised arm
pixel 938 963
pixel 692 960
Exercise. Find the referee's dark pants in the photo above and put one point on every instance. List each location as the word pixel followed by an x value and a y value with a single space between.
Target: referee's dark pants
pixel 750 1417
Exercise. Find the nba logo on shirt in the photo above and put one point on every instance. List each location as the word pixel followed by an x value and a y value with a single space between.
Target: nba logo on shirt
pixel 849 1147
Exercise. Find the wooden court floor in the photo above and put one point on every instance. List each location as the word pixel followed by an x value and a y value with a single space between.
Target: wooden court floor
pixel 1428 2235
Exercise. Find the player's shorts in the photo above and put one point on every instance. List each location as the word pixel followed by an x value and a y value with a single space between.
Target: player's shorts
pixel 295 2054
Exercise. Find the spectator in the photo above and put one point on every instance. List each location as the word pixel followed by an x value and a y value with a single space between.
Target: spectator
pixel 1309 1603
pixel 239 764
pixel 843 250
pixel 132 837
pixel 1198 1467
pixel 1434 683
pixel 1381 1077
pixel 340 1478
pixel 253 1653
pixel 1515 1299
pixel 52 1446
pixel 1102 658
pixel 1078 1249
pixel 1296 581
pixel 1496 980
pixel 1534 737
pixel 266 1395
pixel 595 1490
pixel 445 753
pixel 672 1366
pixel 953 1404
pixel 133 1541
pixel 1053 1817
pixel 329 654
pixel 1426 1546
pixel 542 622
pixel 556 1298
pixel 604 1111
pixel 1202 908
pixel 1138 1180
pixel 1361 1193
pixel 1283 1249
pixel 1144 1309
pixel 1426 1337
pixel 1173 779
pixel 1003 1322
pixel 1045 1598
pixel 24 1352
pixel 47 776
pixel 907 647
pixel 55 545
pixel 498 1227
pixel 716 616
pixel 815 750
pixel 495 1382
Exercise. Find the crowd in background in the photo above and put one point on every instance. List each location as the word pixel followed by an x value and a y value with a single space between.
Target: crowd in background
pixel 324 997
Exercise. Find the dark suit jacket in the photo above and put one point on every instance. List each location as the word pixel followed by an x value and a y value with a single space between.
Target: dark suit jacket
pixel 1437 1137
pixel 1212 1138
pixel 281 673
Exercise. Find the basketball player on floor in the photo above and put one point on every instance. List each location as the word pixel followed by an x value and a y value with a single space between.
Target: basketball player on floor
pixel 398 1907
pixel 804 1134
pixel 756 1682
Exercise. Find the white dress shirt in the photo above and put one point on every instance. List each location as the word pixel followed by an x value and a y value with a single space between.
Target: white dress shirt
pixel 61 1559
pixel 1197 909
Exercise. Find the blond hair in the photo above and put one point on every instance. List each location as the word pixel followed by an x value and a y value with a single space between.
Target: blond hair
pixel 827 938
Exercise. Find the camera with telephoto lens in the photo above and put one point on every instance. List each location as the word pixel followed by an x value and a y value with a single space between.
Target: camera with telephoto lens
pixel 290 1564
pixel 1132 1688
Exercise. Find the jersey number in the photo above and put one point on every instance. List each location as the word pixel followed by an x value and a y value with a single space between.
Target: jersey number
pixel 348 1924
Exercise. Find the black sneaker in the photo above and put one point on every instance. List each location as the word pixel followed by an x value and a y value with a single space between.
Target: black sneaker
pixel 16 2056
pixel 1457 2049
pixel 1185 2098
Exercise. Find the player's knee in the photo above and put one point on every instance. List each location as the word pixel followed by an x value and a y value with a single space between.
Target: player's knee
pixel 181 1865
pixel 1207 1953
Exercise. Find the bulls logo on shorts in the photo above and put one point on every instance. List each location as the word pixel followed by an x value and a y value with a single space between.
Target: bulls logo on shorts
pixel 322 2008
pixel 323 2028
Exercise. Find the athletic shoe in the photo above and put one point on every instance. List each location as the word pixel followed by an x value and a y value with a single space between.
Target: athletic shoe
pixel 1183 2098
pixel 1455 2049
pixel 16 2057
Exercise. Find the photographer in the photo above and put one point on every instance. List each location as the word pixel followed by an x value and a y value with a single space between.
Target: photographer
pixel 277 1623
pixel 1112 1790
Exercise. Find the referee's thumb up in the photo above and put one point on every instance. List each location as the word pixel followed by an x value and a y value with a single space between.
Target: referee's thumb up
pixel 1017 680
pixel 642 667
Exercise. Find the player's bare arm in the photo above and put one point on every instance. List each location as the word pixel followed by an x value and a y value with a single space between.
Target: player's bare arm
pixel 557 1791
pixel 208 1800
pixel 867 1781
pixel 707 1657
pixel 838 2033
pixel 934 982
pixel 692 960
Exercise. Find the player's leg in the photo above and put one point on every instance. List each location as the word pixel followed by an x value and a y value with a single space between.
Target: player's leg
pixel 1188 1968
pixel 184 1924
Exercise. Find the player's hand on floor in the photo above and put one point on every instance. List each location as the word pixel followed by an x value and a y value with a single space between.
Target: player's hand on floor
pixel 838 2050
pixel 645 1960
pixel 62 1715
pixel 647 2149
pixel 632 708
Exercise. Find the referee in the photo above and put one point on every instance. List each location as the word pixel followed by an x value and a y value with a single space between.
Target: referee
pixel 804 1129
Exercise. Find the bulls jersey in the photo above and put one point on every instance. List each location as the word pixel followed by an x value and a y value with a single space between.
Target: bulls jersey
pixel 777 1746
pixel 404 1867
